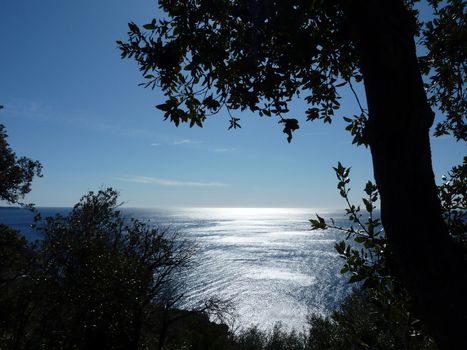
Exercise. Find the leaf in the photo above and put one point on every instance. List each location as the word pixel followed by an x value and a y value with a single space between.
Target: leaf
pixel 321 220
pixel 234 123
pixel 314 223
pixel 164 107
pixel 340 247
pixel 318 224
pixel 312 113
pixel 370 188
pixel 134 28
pixel 290 126
pixel 360 239
pixel 340 169
pixel 368 205
pixel 356 278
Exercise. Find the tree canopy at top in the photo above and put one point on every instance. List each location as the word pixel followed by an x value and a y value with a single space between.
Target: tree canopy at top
pixel 258 55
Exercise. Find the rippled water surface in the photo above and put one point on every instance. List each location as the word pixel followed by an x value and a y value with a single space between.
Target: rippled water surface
pixel 267 260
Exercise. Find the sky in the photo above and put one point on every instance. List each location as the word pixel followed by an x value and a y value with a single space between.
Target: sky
pixel 74 105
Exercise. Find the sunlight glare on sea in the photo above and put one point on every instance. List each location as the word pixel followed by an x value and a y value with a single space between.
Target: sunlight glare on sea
pixel 266 259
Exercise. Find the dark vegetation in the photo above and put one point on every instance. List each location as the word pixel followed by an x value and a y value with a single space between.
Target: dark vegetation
pixel 16 174
pixel 208 56
pixel 97 280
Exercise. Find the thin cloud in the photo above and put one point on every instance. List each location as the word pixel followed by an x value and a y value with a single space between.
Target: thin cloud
pixel 169 182
pixel 185 141
pixel 155 144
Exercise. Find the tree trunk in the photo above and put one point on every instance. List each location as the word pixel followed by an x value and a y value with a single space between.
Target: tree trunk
pixel 429 264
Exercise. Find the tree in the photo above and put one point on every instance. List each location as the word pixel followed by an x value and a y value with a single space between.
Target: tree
pixel 358 324
pixel 16 174
pixel 16 254
pixel 378 312
pixel 99 280
pixel 210 55
pixel 106 276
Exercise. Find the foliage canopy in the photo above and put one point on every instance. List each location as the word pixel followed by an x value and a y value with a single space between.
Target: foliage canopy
pixel 16 174
pixel 97 280
pixel 258 55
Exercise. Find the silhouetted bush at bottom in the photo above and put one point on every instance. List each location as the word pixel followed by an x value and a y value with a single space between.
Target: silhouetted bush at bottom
pixel 355 325
pixel 99 281
pixel 277 338
pixel 359 324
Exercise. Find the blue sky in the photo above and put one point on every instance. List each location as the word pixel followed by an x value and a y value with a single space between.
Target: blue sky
pixel 74 105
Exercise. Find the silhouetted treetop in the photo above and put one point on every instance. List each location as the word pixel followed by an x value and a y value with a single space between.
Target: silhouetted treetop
pixel 259 54
pixel 253 55
pixel 16 174
pixel 444 63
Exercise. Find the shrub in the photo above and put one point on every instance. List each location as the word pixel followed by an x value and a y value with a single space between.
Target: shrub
pixel 94 280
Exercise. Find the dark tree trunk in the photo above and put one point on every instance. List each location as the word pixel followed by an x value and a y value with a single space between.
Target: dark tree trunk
pixel 431 267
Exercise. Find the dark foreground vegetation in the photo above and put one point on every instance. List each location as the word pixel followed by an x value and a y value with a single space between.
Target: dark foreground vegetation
pixel 99 281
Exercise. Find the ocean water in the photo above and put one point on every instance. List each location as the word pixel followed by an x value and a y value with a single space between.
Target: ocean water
pixel 266 260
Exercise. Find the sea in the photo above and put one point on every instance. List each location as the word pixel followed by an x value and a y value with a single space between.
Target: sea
pixel 266 261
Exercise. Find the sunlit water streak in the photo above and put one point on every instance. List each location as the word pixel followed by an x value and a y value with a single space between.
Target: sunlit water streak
pixel 266 259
